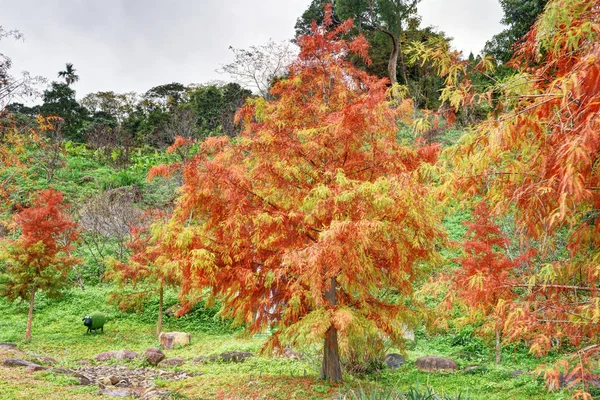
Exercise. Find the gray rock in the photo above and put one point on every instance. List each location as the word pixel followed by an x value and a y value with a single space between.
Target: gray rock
pixel 154 355
pixel 173 309
pixel 169 340
pixel 117 393
pixel 394 360
pixel 235 356
pixel 126 355
pixel 8 345
pixel 46 360
pixel 83 380
pixel 435 363
pixel 107 355
pixel 171 362
pixel 474 369
pixel 16 362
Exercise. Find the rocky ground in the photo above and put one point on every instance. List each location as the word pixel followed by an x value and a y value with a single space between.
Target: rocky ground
pixel 113 379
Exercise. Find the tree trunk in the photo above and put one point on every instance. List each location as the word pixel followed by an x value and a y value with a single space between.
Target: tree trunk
pixel 498 345
pixel 393 63
pixel 331 369
pixel 160 311
pixel 30 315
pixel 399 52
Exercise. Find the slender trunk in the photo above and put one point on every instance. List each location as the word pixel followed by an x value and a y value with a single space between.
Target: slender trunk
pixel 30 315
pixel 393 63
pixel 160 311
pixel 401 54
pixel 498 345
pixel 331 369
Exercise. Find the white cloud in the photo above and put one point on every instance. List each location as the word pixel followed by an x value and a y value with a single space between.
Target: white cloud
pixel 133 45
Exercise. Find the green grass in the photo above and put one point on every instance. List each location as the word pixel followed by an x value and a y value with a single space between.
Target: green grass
pixel 58 332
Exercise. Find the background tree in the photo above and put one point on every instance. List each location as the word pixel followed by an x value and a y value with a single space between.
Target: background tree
pixel 215 107
pixel 147 272
pixel 519 15
pixel 306 221
pixel 69 74
pixel 483 280
pixel 59 100
pixel 39 260
pixel 390 17
pixel 376 23
pixel 19 141
pixel 258 66
pixel 12 87
pixel 314 12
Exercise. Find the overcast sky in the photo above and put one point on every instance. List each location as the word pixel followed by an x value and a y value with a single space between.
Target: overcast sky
pixel 133 45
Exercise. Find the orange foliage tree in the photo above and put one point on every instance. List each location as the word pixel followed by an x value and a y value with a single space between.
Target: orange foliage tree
pixel 148 270
pixel 306 221
pixel 483 280
pixel 39 260
pixel 15 141
pixel 538 160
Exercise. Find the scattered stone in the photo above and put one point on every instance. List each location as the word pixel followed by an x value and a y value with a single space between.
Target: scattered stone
pixel 155 394
pixel 140 381
pixel 118 393
pixel 126 355
pixel 434 363
pixel 291 354
pixel 173 309
pixel 168 340
pixel 474 369
pixel 16 362
pixel 516 373
pixel 10 350
pixel 83 380
pixel 154 355
pixel 83 362
pixel 172 362
pixel 200 360
pixel 107 355
pixel 104 381
pixel 46 360
pixel 394 361
pixel 235 356
pixel 32 369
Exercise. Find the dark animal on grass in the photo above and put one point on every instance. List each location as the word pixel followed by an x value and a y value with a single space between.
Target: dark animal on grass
pixel 94 321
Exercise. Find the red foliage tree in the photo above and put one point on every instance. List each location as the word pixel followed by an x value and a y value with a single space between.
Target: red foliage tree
pixel 307 220
pixel 39 260
pixel 483 282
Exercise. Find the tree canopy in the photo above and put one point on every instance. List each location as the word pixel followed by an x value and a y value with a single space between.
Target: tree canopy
pixel 304 222
pixel 39 260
